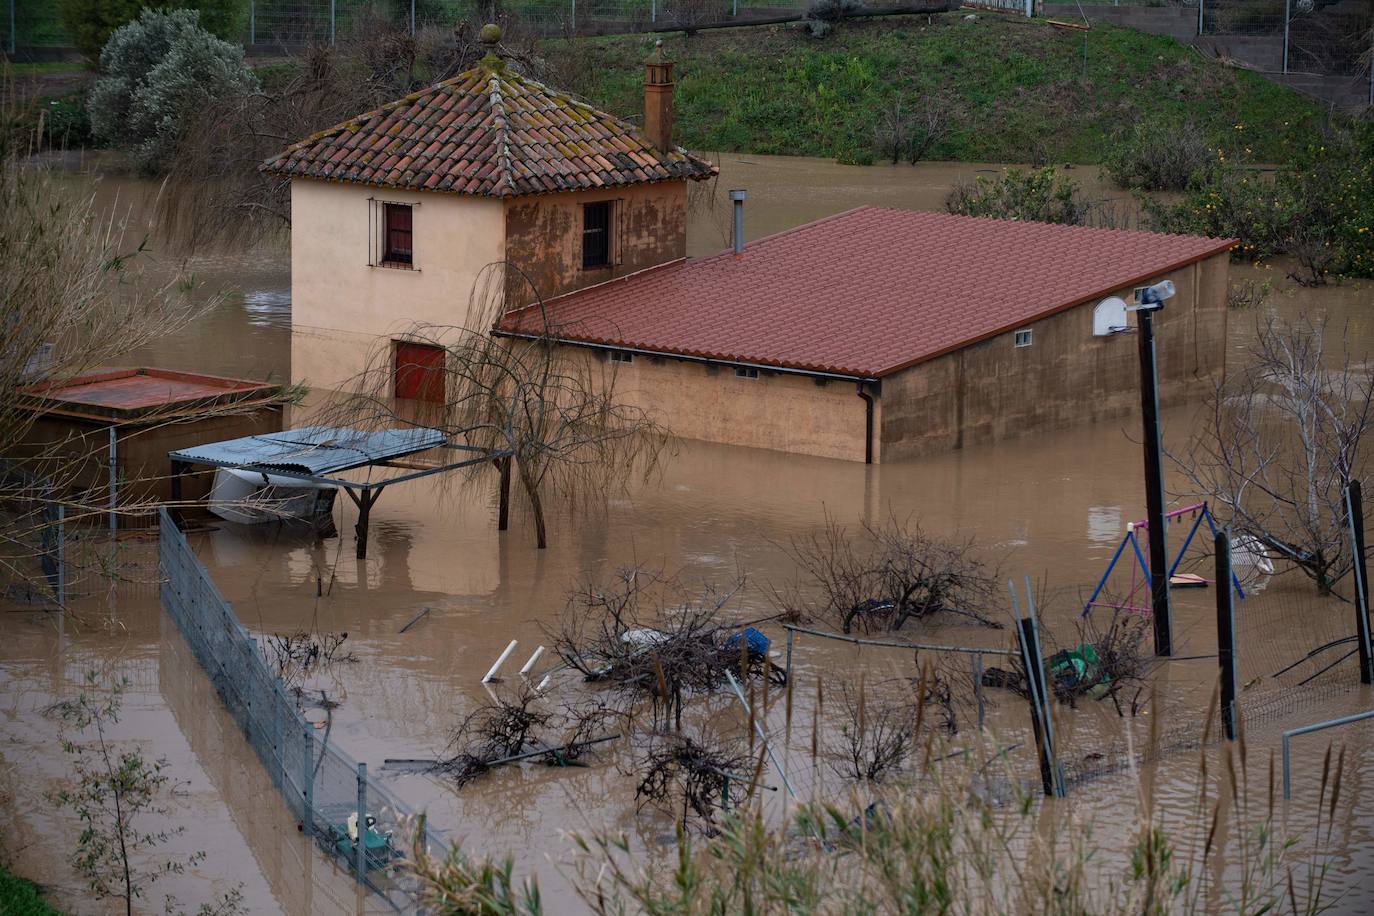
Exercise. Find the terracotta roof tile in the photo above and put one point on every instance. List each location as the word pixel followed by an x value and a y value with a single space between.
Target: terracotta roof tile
pixel 487 131
pixel 863 293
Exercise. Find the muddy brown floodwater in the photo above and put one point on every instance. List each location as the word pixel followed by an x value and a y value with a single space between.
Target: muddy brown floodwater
pixel 1052 506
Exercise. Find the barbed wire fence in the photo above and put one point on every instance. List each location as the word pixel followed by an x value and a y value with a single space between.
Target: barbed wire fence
pixel 352 818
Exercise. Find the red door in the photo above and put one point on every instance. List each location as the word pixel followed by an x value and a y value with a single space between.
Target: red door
pixel 420 372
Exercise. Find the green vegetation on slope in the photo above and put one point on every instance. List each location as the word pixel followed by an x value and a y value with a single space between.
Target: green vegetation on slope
pixel 1018 90
pixel 20 897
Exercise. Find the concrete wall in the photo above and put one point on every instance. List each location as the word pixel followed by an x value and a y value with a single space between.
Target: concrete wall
pixel 784 412
pixel 544 236
pixel 994 390
pixel 340 306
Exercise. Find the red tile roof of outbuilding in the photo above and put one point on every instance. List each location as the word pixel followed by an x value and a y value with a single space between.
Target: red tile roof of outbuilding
pixel 490 132
pixel 863 293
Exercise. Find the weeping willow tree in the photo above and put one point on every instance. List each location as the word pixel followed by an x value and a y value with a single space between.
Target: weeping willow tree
pixel 549 416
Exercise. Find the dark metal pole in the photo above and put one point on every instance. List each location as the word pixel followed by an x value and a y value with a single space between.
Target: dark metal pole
pixel 1154 488
pixel 308 782
pixel 1354 510
pixel 1226 634
pixel 365 500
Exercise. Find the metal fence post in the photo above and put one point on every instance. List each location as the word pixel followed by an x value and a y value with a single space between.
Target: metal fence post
pixel 1354 513
pixel 14 29
pixel 333 20
pixel 252 22
pixel 653 10
pixel 308 783
pixel 114 479
pixel 1287 17
pixel 360 847
pixel 1226 634
pixel 61 555
pixel 1200 15
pixel 412 17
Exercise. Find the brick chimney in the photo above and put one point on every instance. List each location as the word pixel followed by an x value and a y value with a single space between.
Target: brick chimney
pixel 658 98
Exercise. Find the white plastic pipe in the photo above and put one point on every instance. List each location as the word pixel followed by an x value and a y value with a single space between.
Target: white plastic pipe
pixel 529 665
pixel 499 662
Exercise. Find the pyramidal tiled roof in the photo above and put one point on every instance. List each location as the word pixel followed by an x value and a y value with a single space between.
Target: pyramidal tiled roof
pixel 487 131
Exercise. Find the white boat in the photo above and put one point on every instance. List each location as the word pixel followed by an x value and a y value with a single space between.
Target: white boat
pixel 252 497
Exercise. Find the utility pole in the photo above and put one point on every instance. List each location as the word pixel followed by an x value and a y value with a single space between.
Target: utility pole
pixel 1150 299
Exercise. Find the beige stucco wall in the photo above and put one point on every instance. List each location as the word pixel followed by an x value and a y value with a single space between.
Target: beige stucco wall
pixel 544 236
pixel 994 390
pixel 341 307
pixel 784 412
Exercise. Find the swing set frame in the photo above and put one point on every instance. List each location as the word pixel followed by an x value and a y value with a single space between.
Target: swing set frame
pixel 1200 512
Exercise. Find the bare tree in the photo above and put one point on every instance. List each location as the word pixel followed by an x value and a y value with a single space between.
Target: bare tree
pixel 887 575
pixel 553 411
pixel 1281 443
pixel 72 298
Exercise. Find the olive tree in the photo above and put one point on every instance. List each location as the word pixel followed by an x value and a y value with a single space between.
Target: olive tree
pixel 155 72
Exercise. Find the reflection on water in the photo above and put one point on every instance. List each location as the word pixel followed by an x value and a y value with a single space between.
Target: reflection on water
pixel 1052 506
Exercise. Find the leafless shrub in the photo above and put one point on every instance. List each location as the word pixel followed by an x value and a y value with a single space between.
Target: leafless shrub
pixel 645 635
pixel 1248 294
pixel 296 656
pixel 1281 442
pixel 505 727
pixel 907 131
pixel 692 776
pixel 876 734
pixel 886 576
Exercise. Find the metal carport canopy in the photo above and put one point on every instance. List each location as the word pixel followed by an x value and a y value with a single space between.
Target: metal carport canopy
pixel 312 453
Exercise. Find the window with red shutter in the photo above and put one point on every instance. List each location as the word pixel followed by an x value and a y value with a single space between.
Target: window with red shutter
pixel 419 372
pixel 397 238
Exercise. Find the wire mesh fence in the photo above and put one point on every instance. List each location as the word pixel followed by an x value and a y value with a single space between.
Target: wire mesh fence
pixel 352 818
pixel 1314 36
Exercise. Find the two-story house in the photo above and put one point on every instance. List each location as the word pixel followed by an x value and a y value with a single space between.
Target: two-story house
pixel 400 215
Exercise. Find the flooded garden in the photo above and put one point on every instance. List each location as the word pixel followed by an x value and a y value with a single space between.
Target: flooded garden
pixel 396 645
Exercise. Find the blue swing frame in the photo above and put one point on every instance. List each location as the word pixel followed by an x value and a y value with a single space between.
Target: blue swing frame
pixel 1130 538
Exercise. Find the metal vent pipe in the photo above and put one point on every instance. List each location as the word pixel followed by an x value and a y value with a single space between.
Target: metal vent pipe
pixel 738 196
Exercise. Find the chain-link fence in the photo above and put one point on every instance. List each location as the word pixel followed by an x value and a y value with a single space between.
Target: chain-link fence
pixel 352 818
pixel 1314 36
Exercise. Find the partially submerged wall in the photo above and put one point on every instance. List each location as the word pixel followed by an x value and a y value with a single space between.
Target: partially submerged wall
pixel 994 390
pixel 785 412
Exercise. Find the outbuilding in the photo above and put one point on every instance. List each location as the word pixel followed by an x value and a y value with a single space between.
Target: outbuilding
pixel 887 334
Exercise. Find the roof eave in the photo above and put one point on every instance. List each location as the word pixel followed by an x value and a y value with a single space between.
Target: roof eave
pixel 1222 246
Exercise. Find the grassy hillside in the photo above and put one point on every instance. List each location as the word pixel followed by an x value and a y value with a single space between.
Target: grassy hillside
pixel 1019 90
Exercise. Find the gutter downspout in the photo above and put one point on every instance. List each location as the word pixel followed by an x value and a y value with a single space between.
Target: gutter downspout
pixel 868 422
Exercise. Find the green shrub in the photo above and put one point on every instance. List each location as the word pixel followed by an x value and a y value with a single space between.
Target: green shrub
pixel 20 897
pixel 1151 159
pixel 1039 195
pixel 158 69
pixel 1318 208
pixel 68 122
pixel 90 23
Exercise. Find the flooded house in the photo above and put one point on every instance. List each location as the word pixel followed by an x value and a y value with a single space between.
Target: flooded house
pixel 874 334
